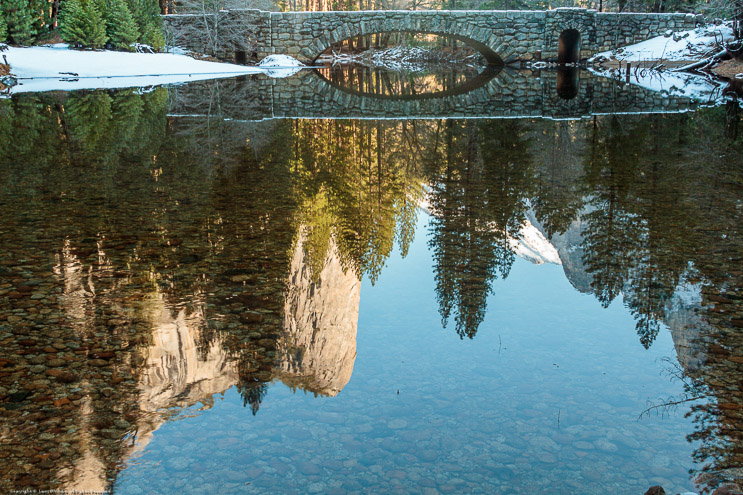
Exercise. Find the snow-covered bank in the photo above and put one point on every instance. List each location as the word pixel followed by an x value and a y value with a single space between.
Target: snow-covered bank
pixel 694 86
pixel 690 45
pixel 56 67
pixel 651 59
pixel 280 65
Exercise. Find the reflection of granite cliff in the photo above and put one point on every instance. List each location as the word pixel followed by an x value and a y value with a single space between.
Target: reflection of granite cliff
pixel 320 319
pixel 688 326
pixel 318 350
pixel 681 317
pixel 175 374
pixel 568 246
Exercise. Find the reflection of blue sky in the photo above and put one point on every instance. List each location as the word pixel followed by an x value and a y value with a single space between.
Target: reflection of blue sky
pixel 467 415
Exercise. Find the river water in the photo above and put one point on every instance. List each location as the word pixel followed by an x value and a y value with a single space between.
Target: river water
pixel 218 288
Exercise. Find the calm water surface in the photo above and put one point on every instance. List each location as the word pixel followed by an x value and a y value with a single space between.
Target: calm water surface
pixel 227 301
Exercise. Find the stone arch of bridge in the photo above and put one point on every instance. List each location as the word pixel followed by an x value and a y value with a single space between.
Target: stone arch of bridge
pixel 568 50
pixel 453 30
pixel 568 35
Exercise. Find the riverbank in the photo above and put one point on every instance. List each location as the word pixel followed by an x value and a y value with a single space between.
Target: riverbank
pixel 671 49
pixel 658 63
pixel 57 67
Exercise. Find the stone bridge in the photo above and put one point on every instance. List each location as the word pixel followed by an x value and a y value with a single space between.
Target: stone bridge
pixel 501 94
pixel 564 34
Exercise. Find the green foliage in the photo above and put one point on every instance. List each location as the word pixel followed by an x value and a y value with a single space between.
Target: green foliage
pixel 92 129
pixel 127 107
pixel 41 17
pixel 81 24
pixel 19 20
pixel 121 28
pixel 153 35
pixel 481 181
pixel 3 28
pixel 347 199
pixel 89 117
pixel 146 14
pixel 497 5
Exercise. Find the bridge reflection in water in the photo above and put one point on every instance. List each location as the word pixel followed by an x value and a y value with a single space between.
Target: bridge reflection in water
pixel 380 83
pixel 494 93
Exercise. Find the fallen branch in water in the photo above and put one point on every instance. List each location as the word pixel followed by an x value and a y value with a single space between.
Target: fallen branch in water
pixel 666 406
pixel 704 62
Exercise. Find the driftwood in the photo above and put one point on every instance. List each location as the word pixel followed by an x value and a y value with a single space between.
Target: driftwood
pixel 731 50
pixel 706 62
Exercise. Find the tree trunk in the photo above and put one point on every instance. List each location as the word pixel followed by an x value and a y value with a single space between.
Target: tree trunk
pixel 55 12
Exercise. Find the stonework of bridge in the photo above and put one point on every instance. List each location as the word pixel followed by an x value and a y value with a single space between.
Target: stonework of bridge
pixel 508 94
pixel 501 36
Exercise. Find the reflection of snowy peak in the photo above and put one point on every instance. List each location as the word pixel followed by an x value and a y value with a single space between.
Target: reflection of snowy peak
pixel 533 246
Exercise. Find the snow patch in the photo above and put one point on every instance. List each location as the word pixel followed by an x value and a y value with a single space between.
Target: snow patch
pixel 693 44
pixel 409 59
pixel 533 246
pixel 57 67
pixel 53 60
pixel 687 295
pixel 280 62
pixel 280 66
pixel 693 86
pixel 279 73
pixel 37 85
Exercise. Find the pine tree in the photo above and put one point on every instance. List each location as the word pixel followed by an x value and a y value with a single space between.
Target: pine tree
pixel 121 28
pixel 153 36
pixel 40 17
pixel 19 21
pixel 146 13
pixel 3 29
pixel 81 23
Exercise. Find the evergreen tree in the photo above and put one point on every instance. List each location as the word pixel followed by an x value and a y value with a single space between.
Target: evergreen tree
pixel 19 20
pixel 479 190
pixel 153 35
pixel 40 17
pixel 81 23
pixel 146 14
pixel 3 29
pixel 121 28
pixel 89 118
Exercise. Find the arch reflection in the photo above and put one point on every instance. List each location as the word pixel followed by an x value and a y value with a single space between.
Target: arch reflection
pixel 381 83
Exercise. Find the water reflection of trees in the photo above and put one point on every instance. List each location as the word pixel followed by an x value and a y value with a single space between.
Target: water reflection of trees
pixel 357 182
pixel 655 215
pixel 128 214
pixel 380 82
pixel 480 183
pixel 112 213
